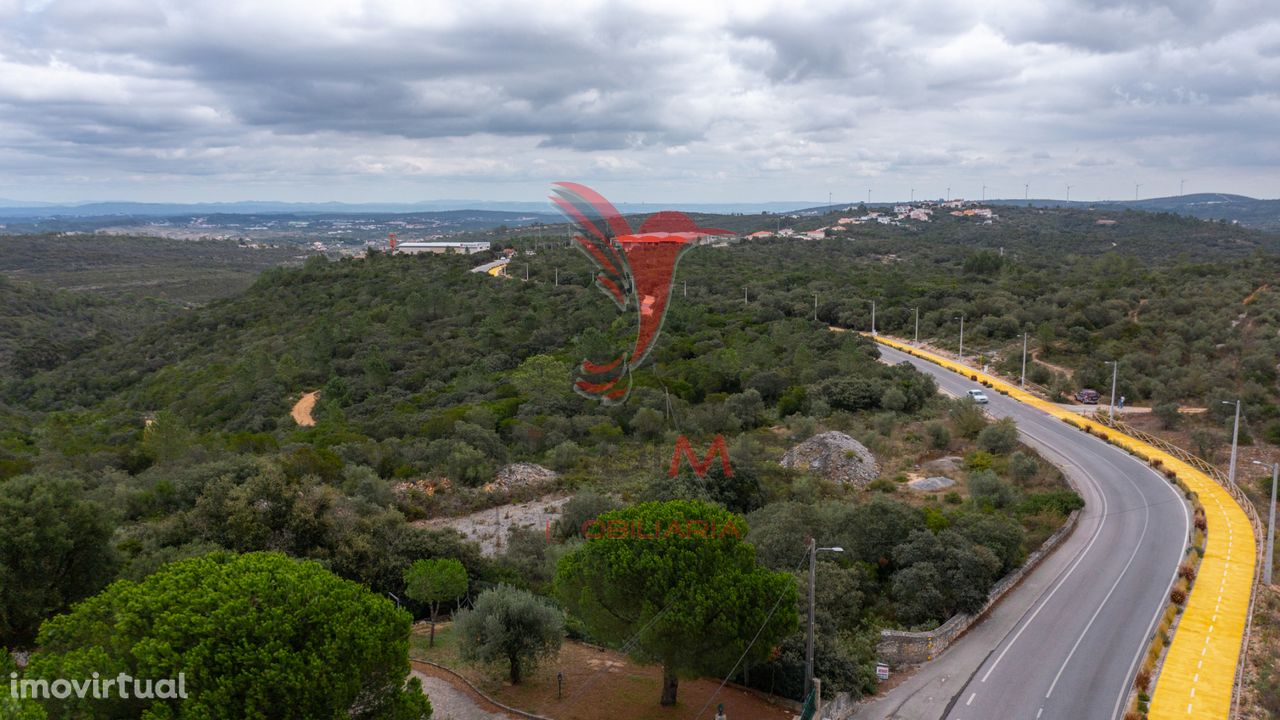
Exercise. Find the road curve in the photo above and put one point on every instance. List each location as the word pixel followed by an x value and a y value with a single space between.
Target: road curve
pixel 1074 652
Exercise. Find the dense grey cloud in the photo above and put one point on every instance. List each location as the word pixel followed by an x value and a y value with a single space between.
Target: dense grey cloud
pixel 652 101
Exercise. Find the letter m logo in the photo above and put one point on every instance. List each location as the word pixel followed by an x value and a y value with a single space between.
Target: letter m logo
pixel 700 468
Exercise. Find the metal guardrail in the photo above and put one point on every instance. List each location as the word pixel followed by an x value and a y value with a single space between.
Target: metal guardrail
pixel 1241 499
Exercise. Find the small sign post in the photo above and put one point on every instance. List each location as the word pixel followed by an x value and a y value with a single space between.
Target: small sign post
pixel 882 671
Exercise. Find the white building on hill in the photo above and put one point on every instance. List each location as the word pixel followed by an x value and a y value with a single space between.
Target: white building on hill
pixel 441 247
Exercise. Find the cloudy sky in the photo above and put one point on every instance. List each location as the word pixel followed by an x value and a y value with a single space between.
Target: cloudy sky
pixel 692 100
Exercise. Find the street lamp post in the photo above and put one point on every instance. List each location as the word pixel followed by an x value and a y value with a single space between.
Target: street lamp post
pixel 1235 442
pixel 1023 383
pixel 961 319
pixel 1115 369
pixel 813 581
pixel 1271 522
pixel 815 307
pixel 873 317
pixel 917 326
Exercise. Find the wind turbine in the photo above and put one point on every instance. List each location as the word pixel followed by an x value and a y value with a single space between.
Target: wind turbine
pixel 1068 193
pixel 1135 191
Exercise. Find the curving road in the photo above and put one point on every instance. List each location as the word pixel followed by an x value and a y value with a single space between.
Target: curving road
pixel 1073 651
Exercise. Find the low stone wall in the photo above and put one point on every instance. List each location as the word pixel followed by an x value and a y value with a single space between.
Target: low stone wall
pixel 898 647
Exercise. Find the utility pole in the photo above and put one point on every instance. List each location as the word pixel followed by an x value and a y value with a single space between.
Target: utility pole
pixel 744 295
pixel 1271 522
pixel 815 307
pixel 1023 383
pixel 1115 369
pixel 1271 525
pixel 808 641
pixel 962 339
pixel 1235 443
pixel 526 272
pixel 917 326
pixel 873 318
pixel 813 582
pixel 686 288
pixel 557 277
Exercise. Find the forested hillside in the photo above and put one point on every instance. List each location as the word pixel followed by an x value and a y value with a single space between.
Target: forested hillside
pixel 172 437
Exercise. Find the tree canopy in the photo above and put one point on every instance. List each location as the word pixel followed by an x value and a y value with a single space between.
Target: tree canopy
pixel 681 585
pixel 253 636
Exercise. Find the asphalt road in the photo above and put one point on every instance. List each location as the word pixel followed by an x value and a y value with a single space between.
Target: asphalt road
pixel 1073 653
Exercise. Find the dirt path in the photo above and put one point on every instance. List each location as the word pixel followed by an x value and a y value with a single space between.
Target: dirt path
pixel 302 409
pixel 452 700
pixel 1064 370
pixel 1254 295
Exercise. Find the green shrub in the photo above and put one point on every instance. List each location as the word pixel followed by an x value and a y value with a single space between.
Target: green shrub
pixel 1000 438
pixel 939 436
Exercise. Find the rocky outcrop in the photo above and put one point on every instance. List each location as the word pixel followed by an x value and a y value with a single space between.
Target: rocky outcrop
pixel 836 457
pixel 931 484
pixel 521 474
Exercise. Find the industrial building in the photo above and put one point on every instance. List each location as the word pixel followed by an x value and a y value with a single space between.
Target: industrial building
pixel 441 247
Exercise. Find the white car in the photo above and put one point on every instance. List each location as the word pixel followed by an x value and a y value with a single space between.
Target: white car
pixel 978 396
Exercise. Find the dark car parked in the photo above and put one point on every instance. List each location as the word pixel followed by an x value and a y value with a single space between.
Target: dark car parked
pixel 1088 397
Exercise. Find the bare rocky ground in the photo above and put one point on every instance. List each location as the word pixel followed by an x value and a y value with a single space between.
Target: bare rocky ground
pixel 836 457
pixel 489 528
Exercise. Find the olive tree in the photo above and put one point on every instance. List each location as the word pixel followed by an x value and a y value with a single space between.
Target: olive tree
pixel 509 625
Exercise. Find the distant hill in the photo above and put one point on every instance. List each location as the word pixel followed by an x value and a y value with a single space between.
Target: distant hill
pixel 18 209
pixel 1250 212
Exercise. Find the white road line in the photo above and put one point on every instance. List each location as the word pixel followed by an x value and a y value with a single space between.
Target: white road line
pixel 1146 522
pixel 1062 580
pixel 970 700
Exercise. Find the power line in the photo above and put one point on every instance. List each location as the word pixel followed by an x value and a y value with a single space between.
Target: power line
pixel 767 618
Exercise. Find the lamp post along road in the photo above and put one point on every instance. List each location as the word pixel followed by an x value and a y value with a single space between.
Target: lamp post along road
pixel 917 326
pixel 813 581
pixel 961 339
pixel 1235 443
pixel 1023 382
pixel 1115 369
pixel 873 317
pixel 1271 522
pixel 1271 525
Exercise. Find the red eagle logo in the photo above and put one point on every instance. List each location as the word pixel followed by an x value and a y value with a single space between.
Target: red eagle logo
pixel 635 269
